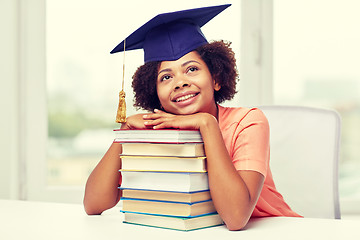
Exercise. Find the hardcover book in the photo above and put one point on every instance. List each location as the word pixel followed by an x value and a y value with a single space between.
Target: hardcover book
pixel 157 136
pixel 165 181
pixel 163 164
pixel 189 197
pixel 164 149
pixel 175 223
pixel 167 208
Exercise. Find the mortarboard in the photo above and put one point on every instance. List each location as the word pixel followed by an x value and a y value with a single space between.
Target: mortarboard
pixel 168 37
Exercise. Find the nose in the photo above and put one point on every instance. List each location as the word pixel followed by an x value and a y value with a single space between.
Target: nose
pixel 181 82
pixel 178 86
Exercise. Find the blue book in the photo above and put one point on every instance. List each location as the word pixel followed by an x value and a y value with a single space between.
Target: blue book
pixel 175 223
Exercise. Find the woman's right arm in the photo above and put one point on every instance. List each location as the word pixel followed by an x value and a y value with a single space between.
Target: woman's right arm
pixel 101 191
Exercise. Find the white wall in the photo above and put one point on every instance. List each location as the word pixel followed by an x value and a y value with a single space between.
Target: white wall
pixel 9 111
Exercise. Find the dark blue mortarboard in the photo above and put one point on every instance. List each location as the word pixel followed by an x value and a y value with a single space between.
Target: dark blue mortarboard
pixel 169 36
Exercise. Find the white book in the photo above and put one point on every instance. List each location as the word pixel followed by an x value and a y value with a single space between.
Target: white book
pixel 163 164
pixel 157 136
pixel 165 181
pixel 164 149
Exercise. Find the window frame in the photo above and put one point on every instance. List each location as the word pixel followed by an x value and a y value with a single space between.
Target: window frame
pixel 33 124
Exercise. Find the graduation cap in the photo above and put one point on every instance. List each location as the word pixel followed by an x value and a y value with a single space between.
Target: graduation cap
pixel 168 37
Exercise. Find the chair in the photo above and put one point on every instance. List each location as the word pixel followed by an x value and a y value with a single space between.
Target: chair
pixel 304 153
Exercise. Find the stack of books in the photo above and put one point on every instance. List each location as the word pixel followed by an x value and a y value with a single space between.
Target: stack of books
pixel 164 179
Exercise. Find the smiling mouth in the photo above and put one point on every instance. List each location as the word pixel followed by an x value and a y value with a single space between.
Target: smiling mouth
pixel 186 97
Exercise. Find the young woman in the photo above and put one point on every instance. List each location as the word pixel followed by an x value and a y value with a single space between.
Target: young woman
pixel 185 93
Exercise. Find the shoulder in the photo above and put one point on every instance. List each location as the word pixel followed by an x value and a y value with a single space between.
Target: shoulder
pixel 240 115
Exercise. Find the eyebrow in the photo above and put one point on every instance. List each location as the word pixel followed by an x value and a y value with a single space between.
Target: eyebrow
pixel 188 62
pixel 182 65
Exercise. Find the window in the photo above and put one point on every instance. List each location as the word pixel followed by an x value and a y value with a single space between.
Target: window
pixel 316 49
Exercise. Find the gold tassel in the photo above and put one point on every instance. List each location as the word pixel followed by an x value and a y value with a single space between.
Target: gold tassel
pixel 121 112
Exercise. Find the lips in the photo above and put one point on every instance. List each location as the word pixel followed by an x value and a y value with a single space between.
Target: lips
pixel 184 97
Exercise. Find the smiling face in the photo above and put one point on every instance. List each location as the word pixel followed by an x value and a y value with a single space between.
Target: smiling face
pixel 185 86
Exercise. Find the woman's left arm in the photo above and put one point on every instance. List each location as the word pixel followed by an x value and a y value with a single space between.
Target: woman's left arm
pixel 234 193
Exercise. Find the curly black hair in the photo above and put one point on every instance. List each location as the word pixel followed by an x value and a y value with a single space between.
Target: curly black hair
pixel 220 60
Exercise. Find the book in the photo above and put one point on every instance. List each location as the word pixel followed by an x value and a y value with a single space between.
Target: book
pixel 163 164
pixel 157 136
pixel 165 181
pixel 164 149
pixel 189 197
pixel 167 208
pixel 175 223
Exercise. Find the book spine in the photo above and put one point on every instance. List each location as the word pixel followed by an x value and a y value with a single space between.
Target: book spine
pixel 165 181
pixel 169 215
pixel 122 140
pixel 189 192
pixel 163 201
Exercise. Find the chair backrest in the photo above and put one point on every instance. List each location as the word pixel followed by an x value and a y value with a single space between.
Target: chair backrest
pixel 304 153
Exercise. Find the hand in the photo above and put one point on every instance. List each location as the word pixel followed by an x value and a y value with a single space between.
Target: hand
pixel 134 122
pixel 160 119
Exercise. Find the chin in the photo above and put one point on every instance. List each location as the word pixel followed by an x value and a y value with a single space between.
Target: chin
pixel 187 112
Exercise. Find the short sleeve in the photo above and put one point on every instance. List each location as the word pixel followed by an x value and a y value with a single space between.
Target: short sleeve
pixel 250 143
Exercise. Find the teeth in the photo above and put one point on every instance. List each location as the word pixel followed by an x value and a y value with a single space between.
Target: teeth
pixel 183 98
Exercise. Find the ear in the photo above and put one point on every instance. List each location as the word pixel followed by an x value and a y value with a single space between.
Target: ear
pixel 216 86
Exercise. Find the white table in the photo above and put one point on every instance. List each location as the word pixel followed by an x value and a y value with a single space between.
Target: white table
pixel 40 220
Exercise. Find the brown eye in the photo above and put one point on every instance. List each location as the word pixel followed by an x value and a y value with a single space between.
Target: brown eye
pixel 192 69
pixel 164 78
